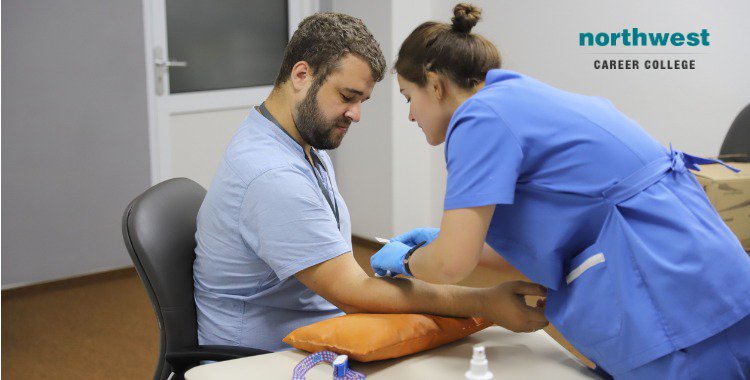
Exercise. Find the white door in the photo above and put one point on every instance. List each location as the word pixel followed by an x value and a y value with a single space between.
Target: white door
pixel 224 58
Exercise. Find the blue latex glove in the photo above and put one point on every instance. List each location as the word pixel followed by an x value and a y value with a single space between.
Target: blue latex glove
pixel 417 236
pixel 389 260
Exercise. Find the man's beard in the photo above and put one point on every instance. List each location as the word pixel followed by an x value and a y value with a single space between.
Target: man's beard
pixel 312 125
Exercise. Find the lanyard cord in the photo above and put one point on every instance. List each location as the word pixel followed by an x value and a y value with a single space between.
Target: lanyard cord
pixel 334 205
pixel 324 357
pixel 315 160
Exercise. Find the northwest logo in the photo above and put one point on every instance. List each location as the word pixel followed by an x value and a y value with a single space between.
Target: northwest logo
pixel 634 37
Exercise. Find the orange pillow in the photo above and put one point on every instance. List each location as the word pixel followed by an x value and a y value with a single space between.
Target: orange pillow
pixel 370 337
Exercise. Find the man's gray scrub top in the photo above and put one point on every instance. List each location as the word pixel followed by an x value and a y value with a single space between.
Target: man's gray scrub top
pixel 264 219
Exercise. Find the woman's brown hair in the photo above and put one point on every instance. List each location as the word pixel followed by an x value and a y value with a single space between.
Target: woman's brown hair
pixel 449 49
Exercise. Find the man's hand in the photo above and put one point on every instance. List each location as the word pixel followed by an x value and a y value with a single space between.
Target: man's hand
pixel 505 305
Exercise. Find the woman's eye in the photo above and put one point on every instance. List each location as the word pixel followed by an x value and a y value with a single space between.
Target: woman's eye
pixel 408 100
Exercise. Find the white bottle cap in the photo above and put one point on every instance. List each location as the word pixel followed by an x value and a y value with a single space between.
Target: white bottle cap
pixel 478 369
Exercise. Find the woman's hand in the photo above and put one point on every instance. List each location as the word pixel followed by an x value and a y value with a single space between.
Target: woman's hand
pixel 389 260
pixel 417 236
pixel 506 306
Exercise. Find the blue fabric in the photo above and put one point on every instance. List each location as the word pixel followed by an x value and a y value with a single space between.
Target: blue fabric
pixel 263 220
pixel 725 355
pixel 572 178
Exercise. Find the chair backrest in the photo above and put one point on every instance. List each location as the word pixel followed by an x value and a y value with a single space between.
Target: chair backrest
pixel 159 231
pixel 736 146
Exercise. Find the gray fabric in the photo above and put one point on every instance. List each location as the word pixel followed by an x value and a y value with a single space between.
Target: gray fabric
pixel 736 146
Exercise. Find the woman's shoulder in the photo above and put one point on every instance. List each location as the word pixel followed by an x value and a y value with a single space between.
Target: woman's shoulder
pixel 480 114
pixel 494 99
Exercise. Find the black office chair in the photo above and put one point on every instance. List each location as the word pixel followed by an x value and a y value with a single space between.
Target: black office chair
pixel 736 146
pixel 159 231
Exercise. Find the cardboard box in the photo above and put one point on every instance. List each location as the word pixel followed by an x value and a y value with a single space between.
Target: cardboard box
pixel 729 192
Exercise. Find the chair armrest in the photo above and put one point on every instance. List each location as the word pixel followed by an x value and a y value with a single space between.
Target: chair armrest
pixel 216 353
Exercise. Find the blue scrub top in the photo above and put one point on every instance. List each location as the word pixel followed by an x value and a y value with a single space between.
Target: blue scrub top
pixel 637 262
pixel 263 220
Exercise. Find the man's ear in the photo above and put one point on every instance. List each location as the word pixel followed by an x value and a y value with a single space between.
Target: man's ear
pixel 301 76
pixel 436 85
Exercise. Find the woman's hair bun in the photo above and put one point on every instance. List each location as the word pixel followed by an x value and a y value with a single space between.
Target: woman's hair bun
pixel 465 16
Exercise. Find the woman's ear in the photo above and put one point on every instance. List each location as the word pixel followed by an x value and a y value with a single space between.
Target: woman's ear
pixel 301 75
pixel 436 85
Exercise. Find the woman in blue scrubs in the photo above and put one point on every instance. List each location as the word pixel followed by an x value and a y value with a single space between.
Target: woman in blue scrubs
pixel 642 275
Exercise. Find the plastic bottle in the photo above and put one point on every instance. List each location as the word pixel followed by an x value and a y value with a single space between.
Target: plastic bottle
pixel 340 367
pixel 478 369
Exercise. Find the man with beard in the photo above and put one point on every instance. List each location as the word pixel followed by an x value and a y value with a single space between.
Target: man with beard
pixel 274 236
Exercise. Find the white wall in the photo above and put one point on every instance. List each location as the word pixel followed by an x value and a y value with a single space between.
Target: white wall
pixel 417 166
pixel 363 161
pixel 693 109
pixel 384 167
pixel 393 181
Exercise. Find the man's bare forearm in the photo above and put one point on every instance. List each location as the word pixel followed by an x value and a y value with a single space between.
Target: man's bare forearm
pixel 400 295
pixel 342 282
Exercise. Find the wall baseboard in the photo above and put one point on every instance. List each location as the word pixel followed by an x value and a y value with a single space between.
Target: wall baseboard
pixel 15 290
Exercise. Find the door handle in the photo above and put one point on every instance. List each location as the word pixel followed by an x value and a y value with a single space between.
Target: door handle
pixel 163 63
pixel 162 69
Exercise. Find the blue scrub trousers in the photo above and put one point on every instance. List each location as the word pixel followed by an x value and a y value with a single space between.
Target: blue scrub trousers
pixel 723 356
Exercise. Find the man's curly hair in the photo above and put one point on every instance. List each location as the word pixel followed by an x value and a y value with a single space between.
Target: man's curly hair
pixel 323 39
